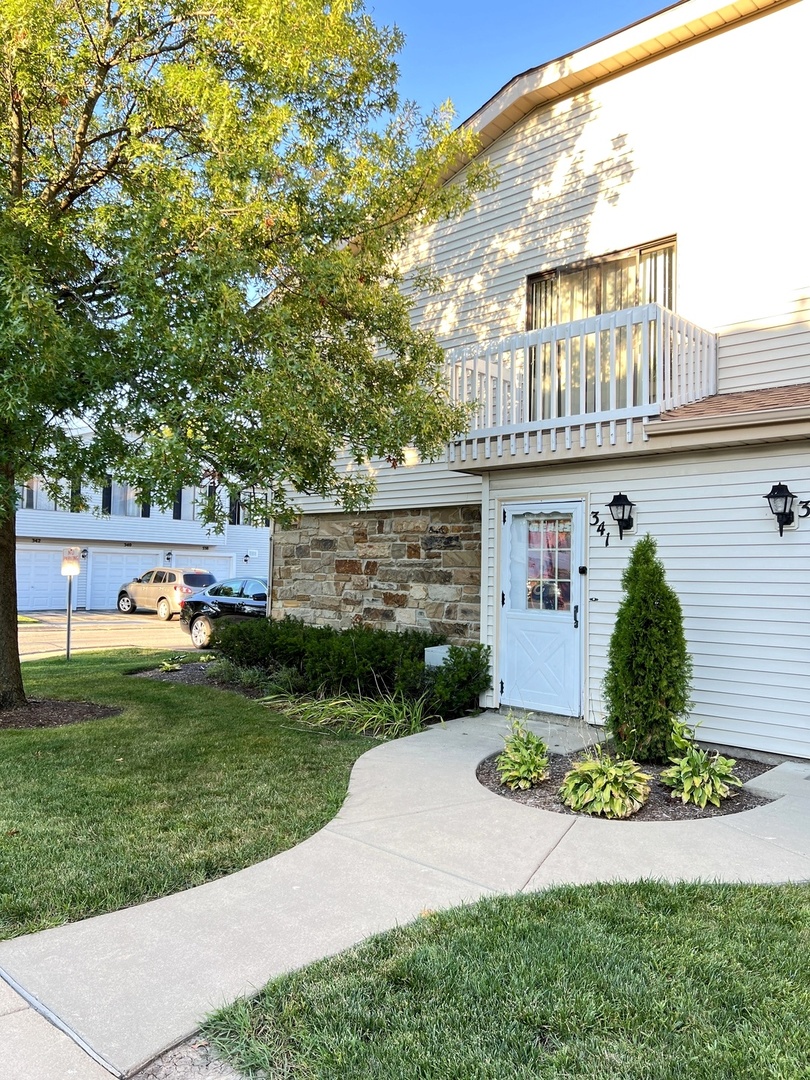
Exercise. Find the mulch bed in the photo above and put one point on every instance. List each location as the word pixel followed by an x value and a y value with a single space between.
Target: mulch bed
pixel 660 806
pixel 47 713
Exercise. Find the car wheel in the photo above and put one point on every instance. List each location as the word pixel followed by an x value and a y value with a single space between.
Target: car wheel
pixel 164 610
pixel 126 605
pixel 201 632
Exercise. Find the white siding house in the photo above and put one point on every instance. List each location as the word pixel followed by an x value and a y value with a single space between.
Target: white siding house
pixel 118 542
pixel 630 310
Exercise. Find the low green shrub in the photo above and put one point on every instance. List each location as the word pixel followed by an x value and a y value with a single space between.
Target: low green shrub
pixel 227 672
pixel 699 777
pixel 455 687
pixel 523 762
pixel 603 784
pixel 362 662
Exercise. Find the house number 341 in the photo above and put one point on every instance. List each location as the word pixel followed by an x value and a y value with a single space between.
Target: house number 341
pixel 600 526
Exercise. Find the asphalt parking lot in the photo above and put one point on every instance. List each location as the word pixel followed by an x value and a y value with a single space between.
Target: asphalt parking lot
pixel 92 630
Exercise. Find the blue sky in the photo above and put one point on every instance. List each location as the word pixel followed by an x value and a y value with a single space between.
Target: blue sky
pixel 467 49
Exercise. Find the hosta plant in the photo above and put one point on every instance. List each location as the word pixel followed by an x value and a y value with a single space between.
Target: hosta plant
pixel 602 784
pixel 523 762
pixel 699 777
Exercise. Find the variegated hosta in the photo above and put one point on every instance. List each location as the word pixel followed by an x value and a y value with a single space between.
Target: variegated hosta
pixel 699 777
pixel 605 785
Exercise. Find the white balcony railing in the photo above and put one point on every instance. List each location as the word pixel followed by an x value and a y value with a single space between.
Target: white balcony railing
pixel 555 385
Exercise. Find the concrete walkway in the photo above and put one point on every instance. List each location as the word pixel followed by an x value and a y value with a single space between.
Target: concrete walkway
pixel 416 831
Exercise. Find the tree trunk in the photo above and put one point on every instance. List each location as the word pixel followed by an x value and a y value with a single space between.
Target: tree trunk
pixel 12 693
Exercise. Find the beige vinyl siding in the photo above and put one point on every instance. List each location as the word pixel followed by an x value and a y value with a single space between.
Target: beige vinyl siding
pixel 688 145
pixel 771 351
pixel 745 591
pixel 425 484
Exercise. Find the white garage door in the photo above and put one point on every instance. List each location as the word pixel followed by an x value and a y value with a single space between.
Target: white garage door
pixel 40 585
pixel 221 566
pixel 109 570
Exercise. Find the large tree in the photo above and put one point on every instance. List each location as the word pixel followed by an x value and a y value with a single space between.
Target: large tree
pixel 201 208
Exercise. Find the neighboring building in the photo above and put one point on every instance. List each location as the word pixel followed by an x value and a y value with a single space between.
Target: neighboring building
pixel 630 308
pixel 121 539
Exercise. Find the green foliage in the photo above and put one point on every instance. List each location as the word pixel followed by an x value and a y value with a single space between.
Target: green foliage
pixel 648 679
pixel 523 762
pixel 389 717
pixel 603 784
pixel 361 661
pixel 202 211
pixel 455 687
pixel 699 777
pixel 679 739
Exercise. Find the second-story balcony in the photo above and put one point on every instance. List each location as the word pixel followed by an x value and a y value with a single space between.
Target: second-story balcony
pixel 585 387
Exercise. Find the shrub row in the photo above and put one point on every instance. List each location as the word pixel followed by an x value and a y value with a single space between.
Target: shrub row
pixel 361 661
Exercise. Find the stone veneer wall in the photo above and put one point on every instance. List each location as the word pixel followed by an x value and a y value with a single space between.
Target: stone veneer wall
pixel 394 569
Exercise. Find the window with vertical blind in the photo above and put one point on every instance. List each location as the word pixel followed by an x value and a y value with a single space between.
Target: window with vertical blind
pixel 602 365
pixel 644 275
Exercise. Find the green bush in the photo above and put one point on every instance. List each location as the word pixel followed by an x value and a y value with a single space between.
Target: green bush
pixel 362 662
pixel 699 777
pixel 523 762
pixel 648 677
pixel 454 688
pixel 606 785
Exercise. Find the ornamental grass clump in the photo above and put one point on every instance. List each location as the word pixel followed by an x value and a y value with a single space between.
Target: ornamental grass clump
pixel 699 777
pixel 523 762
pixel 610 786
pixel 648 679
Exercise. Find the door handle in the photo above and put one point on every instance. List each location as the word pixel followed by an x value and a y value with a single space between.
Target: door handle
pixel 576 616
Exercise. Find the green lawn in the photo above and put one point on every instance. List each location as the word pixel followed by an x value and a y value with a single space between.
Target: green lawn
pixel 612 982
pixel 187 784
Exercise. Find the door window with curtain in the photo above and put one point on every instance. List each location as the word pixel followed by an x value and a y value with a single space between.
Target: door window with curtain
pixel 628 279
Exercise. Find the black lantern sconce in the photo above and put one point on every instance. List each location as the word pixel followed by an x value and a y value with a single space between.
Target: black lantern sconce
pixel 780 500
pixel 246 559
pixel 621 510
pixel 169 556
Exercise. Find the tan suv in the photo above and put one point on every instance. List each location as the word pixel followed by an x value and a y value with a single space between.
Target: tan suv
pixel 162 589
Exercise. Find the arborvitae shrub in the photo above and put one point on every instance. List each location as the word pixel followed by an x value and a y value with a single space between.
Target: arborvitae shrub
pixel 648 679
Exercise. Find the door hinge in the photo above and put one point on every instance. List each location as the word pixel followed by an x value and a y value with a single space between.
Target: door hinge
pixel 501 687
pixel 503 599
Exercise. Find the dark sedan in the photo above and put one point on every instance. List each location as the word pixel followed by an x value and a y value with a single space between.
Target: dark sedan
pixel 237 598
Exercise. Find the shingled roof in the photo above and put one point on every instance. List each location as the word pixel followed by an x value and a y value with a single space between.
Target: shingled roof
pixel 743 403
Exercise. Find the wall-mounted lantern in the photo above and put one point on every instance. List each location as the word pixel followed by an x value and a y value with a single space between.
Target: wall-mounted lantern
pixel 621 510
pixel 780 500
pixel 246 559
pixel 169 557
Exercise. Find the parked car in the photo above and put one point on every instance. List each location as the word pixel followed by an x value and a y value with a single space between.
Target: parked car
pixel 162 589
pixel 236 598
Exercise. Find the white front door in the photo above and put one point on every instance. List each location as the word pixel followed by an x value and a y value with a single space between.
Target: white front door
pixel 541 607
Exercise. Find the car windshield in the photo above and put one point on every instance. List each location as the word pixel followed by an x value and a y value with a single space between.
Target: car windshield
pixel 199 581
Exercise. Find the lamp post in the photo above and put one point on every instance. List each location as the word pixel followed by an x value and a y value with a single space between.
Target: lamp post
pixel 71 566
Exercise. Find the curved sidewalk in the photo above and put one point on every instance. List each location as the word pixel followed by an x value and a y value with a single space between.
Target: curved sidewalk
pixel 416 831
